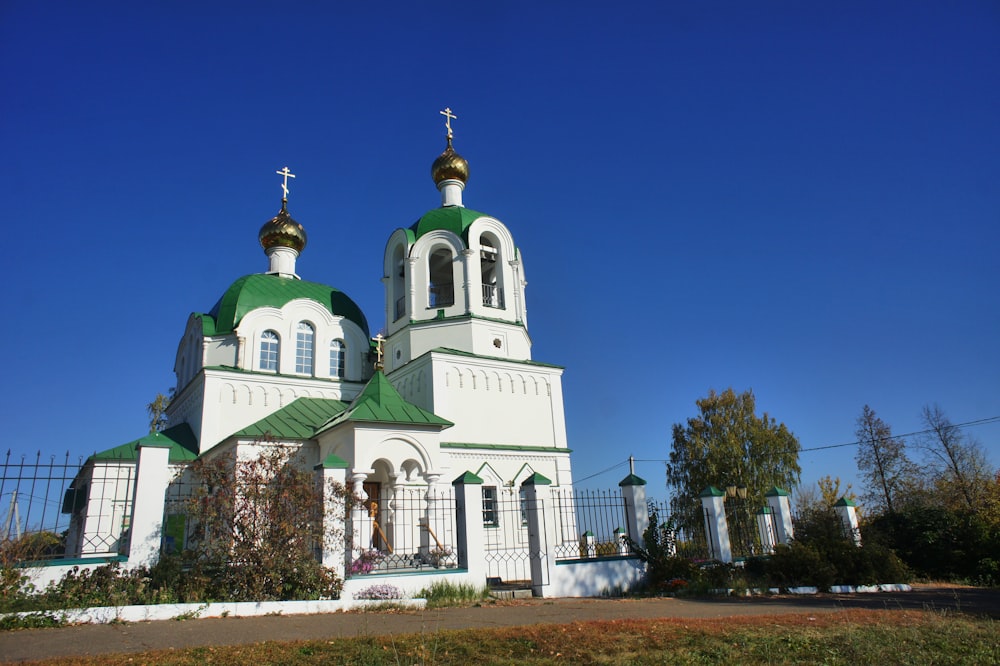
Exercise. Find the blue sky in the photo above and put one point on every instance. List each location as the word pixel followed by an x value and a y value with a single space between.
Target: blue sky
pixel 799 199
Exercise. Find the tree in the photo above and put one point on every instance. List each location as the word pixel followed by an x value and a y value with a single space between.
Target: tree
pixel 260 521
pixel 881 460
pixel 727 444
pixel 157 411
pixel 956 461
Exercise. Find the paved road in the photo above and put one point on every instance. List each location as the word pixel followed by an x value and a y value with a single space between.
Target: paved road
pixel 16 646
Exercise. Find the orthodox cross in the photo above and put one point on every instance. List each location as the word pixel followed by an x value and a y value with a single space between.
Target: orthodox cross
pixel 284 186
pixel 379 341
pixel 449 116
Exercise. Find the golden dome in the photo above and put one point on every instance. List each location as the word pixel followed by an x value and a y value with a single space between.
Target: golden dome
pixel 449 165
pixel 282 231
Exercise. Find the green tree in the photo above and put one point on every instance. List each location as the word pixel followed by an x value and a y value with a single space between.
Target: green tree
pixel 727 444
pixel 882 461
pixel 157 411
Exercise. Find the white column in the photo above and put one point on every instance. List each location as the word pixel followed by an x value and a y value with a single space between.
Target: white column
pixel 282 261
pixel 433 532
pixel 777 499
pixel 451 192
pixel 539 533
pixel 713 503
pixel 469 523
pixel 636 512
pixel 333 477
pixel 361 531
pixel 848 513
pixel 151 480
pixel 472 291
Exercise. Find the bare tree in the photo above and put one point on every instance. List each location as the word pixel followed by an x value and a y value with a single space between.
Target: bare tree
pixel 881 460
pixel 956 461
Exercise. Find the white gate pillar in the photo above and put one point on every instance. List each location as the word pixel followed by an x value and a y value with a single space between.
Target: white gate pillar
pixel 777 500
pixel 469 523
pixel 636 512
pixel 848 513
pixel 713 503
pixel 538 557
pixel 152 477
pixel 332 475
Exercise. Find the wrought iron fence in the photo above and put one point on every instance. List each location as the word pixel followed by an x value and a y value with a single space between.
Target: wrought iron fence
pixel 505 539
pixel 65 508
pixel 749 533
pixel 589 524
pixel 403 529
pixel 689 526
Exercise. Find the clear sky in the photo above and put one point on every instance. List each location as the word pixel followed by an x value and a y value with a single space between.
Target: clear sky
pixel 800 198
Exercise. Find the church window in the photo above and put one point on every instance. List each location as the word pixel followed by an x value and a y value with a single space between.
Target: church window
pixel 304 336
pixel 269 351
pixel 442 279
pixel 490 517
pixel 338 353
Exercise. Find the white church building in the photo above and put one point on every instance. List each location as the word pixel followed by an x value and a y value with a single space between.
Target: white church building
pixel 450 388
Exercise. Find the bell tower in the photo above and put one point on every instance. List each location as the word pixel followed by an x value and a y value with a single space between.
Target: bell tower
pixel 454 279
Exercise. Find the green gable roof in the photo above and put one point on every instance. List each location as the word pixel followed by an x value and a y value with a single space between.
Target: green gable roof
pixel 179 439
pixel 297 420
pixel 455 219
pixel 259 290
pixel 380 402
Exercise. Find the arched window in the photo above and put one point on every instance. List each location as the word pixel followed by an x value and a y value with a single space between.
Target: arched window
pixel 269 351
pixel 304 336
pixel 442 279
pixel 490 268
pixel 338 353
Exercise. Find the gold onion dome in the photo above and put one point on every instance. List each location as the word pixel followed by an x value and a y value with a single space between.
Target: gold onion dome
pixel 449 165
pixel 282 231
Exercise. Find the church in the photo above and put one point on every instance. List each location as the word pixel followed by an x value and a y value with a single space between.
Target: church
pixel 449 388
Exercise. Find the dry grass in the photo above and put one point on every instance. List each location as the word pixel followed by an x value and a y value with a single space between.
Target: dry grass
pixel 847 637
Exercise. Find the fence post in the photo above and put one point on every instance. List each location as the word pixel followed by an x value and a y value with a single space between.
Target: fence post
pixel 848 513
pixel 333 477
pixel 636 512
pixel 777 499
pixel 621 538
pixel 469 524
pixel 538 558
pixel 152 477
pixel 713 503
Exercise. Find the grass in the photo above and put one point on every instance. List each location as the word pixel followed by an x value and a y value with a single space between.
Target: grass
pixel 846 637
pixel 442 594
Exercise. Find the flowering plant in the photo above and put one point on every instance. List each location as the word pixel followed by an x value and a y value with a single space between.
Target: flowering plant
pixel 438 556
pixel 379 593
pixel 367 561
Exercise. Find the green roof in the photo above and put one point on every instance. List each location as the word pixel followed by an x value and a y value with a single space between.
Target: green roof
pixel 297 420
pixel 456 219
pixel 380 402
pixel 259 290
pixel 179 439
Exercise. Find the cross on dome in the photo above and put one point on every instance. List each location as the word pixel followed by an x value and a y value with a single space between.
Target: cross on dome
pixel 379 341
pixel 449 116
pixel 284 186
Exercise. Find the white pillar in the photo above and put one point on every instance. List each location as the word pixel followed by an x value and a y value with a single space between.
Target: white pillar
pixel 848 513
pixel 333 477
pixel 636 511
pixel 361 529
pixel 713 503
pixel 621 538
pixel 534 507
pixel 777 500
pixel 151 480
pixel 469 523
pixel 281 261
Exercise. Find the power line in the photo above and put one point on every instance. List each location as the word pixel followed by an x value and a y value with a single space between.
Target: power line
pixel 966 424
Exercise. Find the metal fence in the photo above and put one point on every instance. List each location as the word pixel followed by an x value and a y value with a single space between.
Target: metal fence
pixel 505 537
pixel 65 508
pixel 589 523
pixel 403 529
